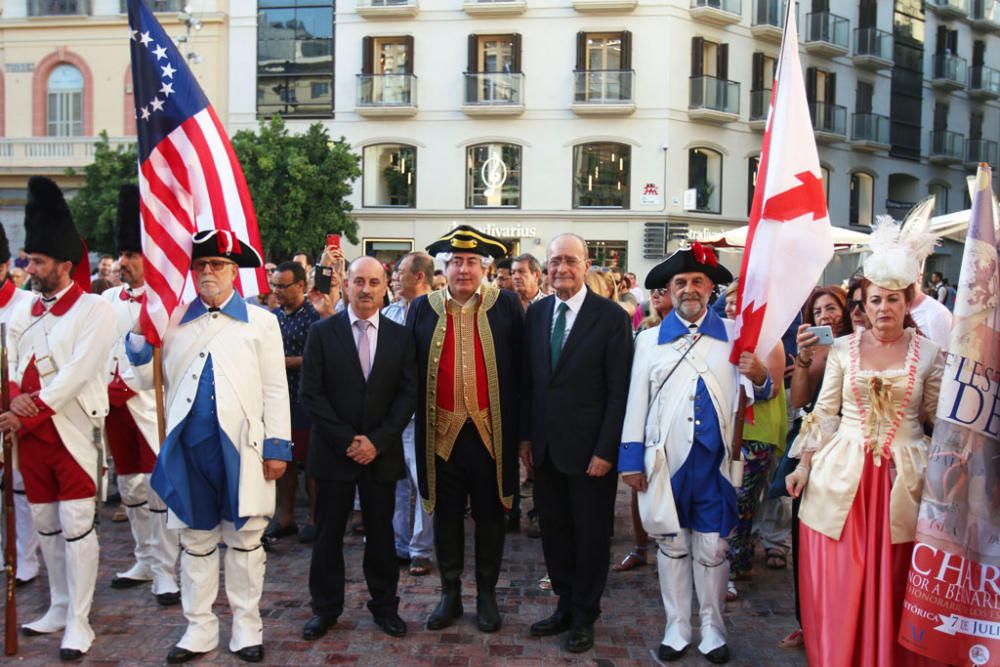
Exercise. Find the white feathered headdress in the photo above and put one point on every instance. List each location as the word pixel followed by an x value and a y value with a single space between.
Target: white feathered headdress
pixel 898 250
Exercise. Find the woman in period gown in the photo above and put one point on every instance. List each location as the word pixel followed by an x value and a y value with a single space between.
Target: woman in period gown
pixel 861 478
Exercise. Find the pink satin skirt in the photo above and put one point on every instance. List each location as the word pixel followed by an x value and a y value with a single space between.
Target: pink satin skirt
pixel 852 589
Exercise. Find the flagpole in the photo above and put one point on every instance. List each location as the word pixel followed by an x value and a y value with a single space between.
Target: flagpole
pixel 161 422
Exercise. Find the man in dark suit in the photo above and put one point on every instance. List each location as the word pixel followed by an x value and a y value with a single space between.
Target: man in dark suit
pixel 468 340
pixel 359 388
pixel 577 358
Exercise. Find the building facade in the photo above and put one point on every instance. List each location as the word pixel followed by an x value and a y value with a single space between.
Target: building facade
pixel 635 123
pixel 65 77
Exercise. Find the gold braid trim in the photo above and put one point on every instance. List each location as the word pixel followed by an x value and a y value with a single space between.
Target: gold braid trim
pixel 490 294
pixel 437 303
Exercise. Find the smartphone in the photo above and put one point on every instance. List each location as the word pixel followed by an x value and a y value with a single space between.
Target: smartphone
pixel 824 334
pixel 333 240
pixel 322 278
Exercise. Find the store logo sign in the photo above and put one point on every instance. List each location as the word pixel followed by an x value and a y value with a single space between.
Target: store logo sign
pixel 493 174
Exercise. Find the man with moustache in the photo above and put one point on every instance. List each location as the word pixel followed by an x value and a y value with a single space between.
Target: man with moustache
pixel 359 388
pixel 577 352
pixel 133 436
pixel 57 348
pixel 11 298
pixel 676 445
pixel 228 439
pixel 414 537
pixel 468 340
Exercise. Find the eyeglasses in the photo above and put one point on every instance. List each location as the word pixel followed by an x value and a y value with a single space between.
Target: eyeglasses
pixel 281 285
pixel 853 305
pixel 659 292
pixel 217 265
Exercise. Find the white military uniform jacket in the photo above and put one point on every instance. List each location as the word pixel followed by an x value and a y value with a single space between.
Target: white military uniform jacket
pixel 142 406
pixel 662 420
pixel 251 389
pixel 70 350
pixel 13 299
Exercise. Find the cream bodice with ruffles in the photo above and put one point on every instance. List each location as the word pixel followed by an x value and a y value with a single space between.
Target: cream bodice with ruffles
pixel 881 414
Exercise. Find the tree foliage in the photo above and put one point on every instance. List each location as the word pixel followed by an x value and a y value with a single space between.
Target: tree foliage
pixel 299 184
pixel 95 205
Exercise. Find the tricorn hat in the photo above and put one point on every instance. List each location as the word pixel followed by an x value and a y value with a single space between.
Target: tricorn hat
pixel 48 225
pixel 694 259
pixel 129 237
pixel 468 239
pixel 225 244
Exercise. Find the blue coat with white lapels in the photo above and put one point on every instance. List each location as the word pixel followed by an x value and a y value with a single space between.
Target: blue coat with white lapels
pixel 250 397
pixel 661 418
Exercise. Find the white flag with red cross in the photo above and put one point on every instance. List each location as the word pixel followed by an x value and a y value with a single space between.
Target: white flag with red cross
pixel 789 242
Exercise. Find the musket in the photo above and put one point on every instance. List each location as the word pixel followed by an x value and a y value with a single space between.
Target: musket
pixel 10 525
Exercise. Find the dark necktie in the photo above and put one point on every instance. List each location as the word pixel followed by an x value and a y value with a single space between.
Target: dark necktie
pixel 558 333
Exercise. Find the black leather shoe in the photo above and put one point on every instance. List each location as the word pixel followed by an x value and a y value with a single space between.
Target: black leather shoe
pixel 31 632
pixel 317 626
pixel 487 614
pixel 121 583
pixel 277 531
pixel 553 625
pixel 512 524
pixel 69 654
pixel 251 653
pixel 168 599
pixel 718 656
pixel 669 654
pixel 391 624
pixel 24 582
pixel 447 610
pixel 580 639
pixel 177 655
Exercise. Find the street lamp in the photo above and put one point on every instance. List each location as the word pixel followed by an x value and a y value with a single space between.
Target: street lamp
pixel 190 22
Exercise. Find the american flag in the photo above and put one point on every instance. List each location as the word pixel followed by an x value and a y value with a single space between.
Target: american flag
pixel 189 177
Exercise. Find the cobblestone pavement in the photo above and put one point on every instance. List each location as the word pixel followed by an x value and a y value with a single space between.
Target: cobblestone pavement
pixel 132 630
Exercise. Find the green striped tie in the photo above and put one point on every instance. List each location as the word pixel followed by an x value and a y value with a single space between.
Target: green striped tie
pixel 558 333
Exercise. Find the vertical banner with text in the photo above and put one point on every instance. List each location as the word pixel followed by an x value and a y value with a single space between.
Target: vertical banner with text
pixel 952 607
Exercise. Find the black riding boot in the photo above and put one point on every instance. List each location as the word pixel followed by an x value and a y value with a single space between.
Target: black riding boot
pixel 449 547
pixel 489 554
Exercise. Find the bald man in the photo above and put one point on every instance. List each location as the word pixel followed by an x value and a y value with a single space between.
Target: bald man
pixel 359 387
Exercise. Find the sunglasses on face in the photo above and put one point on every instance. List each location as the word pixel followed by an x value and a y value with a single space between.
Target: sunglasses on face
pixel 852 305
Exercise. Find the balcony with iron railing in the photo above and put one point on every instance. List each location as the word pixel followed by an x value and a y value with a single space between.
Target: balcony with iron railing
pixel 872 48
pixel 51 154
pixel 714 100
pixel 58 7
pixel 493 94
pixel 949 72
pixel 719 12
pixel 603 92
pixel 948 9
pixel 829 121
pixel 387 94
pixel 827 34
pixel 984 82
pixel 375 9
pixel 870 132
pixel 985 15
pixel 760 103
pixel 494 7
pixel 946 147
pixel 981 150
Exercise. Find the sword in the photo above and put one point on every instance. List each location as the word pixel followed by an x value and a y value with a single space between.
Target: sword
pixel 99 445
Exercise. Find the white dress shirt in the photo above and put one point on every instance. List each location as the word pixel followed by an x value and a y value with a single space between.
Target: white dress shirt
pixel 574 303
